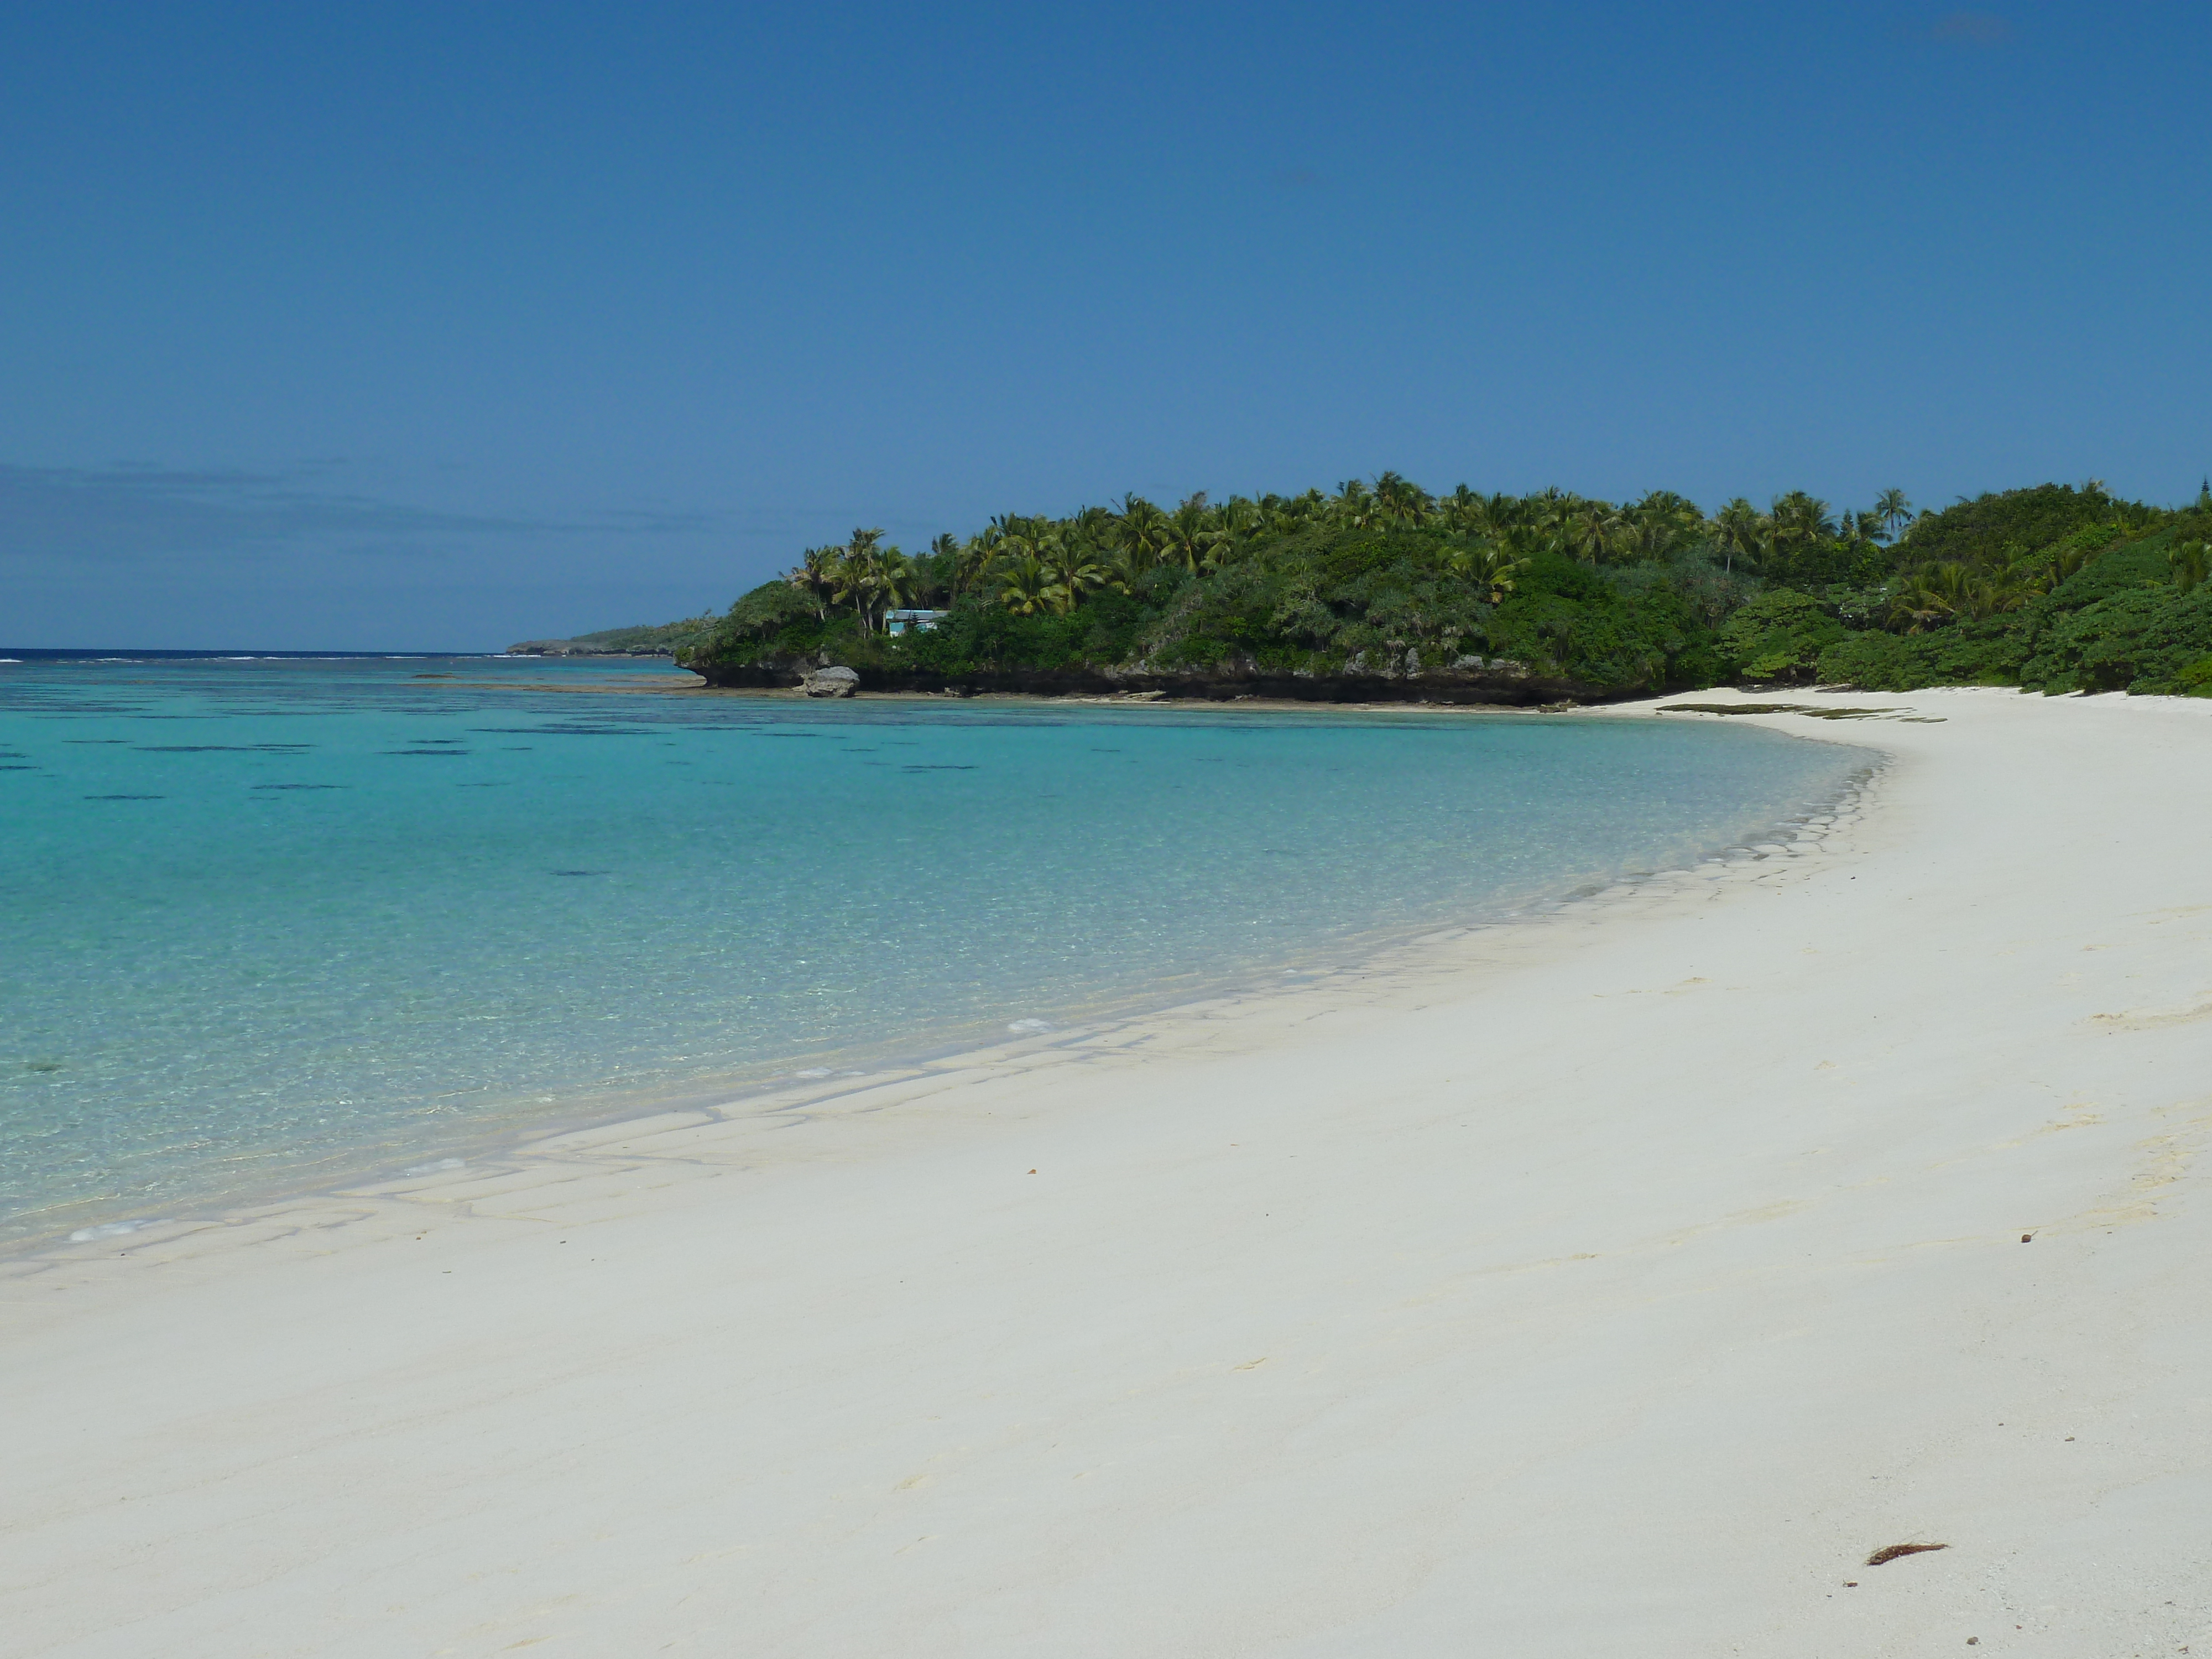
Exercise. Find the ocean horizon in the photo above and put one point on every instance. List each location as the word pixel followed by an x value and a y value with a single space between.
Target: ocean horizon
pixel 36 653
pixel 290 916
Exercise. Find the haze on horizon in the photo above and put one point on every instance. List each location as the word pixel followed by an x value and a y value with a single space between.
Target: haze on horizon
pixel 434 328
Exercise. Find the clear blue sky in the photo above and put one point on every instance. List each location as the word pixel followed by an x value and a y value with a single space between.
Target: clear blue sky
pixel 442 325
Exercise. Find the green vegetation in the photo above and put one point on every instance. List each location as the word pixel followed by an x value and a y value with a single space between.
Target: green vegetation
pixel 2057 587
pixel 643 640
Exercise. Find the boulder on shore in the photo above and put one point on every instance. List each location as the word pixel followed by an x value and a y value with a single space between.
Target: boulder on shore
pixel 830 682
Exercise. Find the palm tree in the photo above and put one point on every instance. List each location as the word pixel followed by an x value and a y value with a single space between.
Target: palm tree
pixel 1802 517
pixel 852 580
pixel 1738 529
pixel 1893 511
pixel 1928 597
pixel 1941 592
pixel 1188 533
pixel 1915 607
pixel 978 555
pixel 1660 525
pixel 1236 522
pixel 1460 511
pixel 1400 501
pixel 2190 563
pixel 814 576
pixel 1025 585
pixel 1795 522
pixel 1493 515
pixel 864 543
pixel 897 579
pixel 1591 530
pixel 1068 561
pixel 1122 572
pixel 1141 528
pixel 1352 507
pixel 1489 566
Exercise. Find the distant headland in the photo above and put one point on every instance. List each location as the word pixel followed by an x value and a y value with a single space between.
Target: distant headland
pixel 642 640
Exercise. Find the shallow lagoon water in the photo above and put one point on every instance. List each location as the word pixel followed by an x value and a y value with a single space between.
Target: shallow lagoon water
pixel 272 918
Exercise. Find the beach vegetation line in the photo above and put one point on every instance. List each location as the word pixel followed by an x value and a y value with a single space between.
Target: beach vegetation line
pixel 2057 587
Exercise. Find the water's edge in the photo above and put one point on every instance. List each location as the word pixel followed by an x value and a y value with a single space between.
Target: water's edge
pixel 769 1090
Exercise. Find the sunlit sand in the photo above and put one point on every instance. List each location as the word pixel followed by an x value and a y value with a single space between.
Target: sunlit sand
pixel 1618 1283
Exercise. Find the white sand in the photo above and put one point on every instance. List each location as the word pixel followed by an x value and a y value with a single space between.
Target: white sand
pixel 1611 1285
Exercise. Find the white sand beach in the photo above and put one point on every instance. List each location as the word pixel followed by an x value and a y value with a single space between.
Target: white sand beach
pixel 1609 1284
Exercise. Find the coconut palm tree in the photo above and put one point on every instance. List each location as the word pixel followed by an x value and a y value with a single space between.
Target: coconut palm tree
pixel 1493 515
pixel 1122 572
pixel 978 555
pixel 1141 530
pixel 1025 585
pixel 853 580
pixel 1928 598
pixel 1796 522
pixel 1237 521
pixel 1914 608
pixel 1488 566
pixel 814 575
pixel 1892 511
pixel 1802 517
pixel 898 580
pixel 1659 525
pixel 1352 508
pixel 2190 563
pixel 1400 501
pixel 1954 590
pixel 1740 532
pixel 1308 508
pixel 1458 511
pixel 1190 533
pixel 1592 531
pixel 1069 562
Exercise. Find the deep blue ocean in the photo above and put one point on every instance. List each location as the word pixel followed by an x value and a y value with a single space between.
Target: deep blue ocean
pixel 271 920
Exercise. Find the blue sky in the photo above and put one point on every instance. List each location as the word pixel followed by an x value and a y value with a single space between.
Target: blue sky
pixel 437 327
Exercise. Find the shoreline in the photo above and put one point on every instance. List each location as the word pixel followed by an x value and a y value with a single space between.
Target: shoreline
pixel 508 1134
pixel 1619 1279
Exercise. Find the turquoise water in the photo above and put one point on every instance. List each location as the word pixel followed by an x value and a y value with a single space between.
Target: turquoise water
pixel 272 919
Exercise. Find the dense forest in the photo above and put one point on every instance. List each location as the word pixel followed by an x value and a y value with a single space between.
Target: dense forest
pixel 1382 588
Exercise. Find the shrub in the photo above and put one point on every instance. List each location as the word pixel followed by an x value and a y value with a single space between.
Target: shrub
pixel 1778 637
pixel 2144 640
pixel 1985 653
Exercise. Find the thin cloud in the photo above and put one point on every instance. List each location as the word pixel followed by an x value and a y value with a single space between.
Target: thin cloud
pixel 138 513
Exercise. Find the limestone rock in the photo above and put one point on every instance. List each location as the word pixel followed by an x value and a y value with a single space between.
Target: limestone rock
pixel 830 682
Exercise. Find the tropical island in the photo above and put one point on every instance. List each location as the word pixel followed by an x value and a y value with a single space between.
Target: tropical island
pixel 1383 591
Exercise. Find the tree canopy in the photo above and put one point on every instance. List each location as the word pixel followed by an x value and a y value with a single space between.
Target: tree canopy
pixel 1383 577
